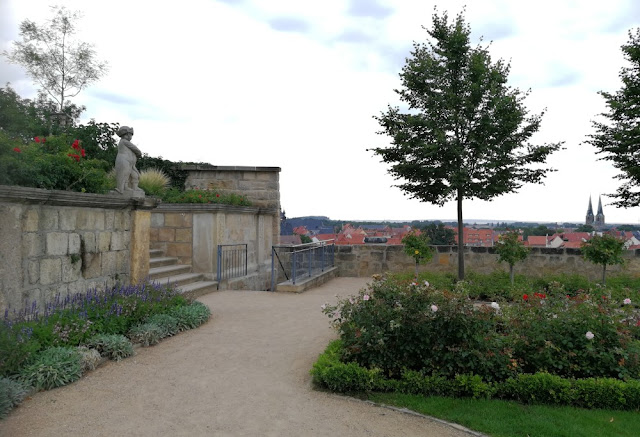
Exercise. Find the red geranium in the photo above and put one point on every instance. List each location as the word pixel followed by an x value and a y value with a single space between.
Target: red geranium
pixel 74 156
pixel 17 150
pixel 82 153
pixel 217 195
pixel 76 145
pixel 525 296
pixel 37 139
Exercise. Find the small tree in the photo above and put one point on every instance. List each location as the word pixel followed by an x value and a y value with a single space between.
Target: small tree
pixel 63 67
pixel 466 133
pixel 511 250
pixel 416 245
pixel 439 234
pixel 605 250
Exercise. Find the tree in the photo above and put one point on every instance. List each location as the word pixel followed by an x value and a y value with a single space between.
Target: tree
pixel 605 250
pixel 60 65
pixel 416 245
pixel 540 230
pixel 466 133
pixel 585 228
pixel 619 139
pixel 439 234
pixel 511 250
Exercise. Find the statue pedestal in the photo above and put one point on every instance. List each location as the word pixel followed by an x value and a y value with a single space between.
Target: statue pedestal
pixel 129 193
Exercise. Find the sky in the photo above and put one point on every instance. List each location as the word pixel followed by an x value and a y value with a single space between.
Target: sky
pixel 295 85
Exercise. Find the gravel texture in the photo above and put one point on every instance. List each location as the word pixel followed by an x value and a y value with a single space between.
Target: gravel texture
pixel 243 373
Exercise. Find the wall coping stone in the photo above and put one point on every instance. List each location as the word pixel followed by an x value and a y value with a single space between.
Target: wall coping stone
pixel 210 167
pixel 213 207
pixel 39 196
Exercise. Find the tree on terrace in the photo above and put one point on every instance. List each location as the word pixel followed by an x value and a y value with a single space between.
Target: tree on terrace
pixel 605 250
pixel 619 139
pixel 63 67
pixel 466 133
pixel 511 249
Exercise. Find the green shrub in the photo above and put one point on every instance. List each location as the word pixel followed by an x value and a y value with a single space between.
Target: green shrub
pixel 167 324
pixel 112 346
pixel 190 316
pixel 146 334
pixel 53 367
pixel 17 346
pixel 11 394
pixel 174 195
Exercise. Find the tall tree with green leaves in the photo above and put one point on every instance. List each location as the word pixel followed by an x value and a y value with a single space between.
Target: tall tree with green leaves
pixel 61 65
pixel 465 133
pixel 619 137
pixel 511 249
pixel 439 234
pixel 605 250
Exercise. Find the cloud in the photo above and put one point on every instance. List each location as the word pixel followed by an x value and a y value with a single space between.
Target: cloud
pixel 354 36
pixel 289 24
pixel 562 77
pixel 494 31
pixel 626 17
pixel 369 8
pixel 114 97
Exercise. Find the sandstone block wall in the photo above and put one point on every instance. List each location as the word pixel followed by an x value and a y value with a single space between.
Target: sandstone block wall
pixel 366 260
pixel 192 233
pixel 62 242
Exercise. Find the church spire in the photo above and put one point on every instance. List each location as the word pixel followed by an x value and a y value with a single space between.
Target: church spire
pixel 590 218
pixel 599 219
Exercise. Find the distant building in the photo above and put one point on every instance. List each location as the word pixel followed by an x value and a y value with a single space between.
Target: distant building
pixel 596 221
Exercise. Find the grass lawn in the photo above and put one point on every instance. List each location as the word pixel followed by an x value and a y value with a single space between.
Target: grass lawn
pixel 511 419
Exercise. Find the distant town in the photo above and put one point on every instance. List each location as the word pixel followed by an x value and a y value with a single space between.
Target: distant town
pixel 301 230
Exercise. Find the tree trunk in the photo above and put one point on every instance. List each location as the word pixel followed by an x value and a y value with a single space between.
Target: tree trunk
pixel 460 238
pixel 604 272
pixel 511 273
pixel 416 278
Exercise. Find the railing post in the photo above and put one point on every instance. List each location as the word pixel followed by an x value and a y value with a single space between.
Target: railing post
pixel 273 264
pixel 293 270
pixel 219 268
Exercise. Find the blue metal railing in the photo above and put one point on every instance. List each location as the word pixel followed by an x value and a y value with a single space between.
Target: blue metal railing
pixel 301 260
pixel 232 261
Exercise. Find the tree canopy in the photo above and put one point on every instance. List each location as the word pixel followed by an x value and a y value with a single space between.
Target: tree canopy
pixel 464 132
pixel 60 65
pixel 619 137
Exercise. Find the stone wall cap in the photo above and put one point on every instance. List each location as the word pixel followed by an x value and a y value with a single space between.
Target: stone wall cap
pixel 28 195
pixel 213 207
pixel 210 167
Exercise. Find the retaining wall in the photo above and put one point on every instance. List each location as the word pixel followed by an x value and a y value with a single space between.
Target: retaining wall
pixel 66 242
pixel 368 259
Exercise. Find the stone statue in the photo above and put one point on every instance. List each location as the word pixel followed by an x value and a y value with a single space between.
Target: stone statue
pixel 127 175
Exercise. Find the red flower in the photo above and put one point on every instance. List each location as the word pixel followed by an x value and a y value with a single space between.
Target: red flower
pixel 525 296
pixel 37 139
pixel 200 195
pixel 76 145
pixel 74 156
pixel 82 153
pixel 217 195
pixel 17 150
pixel 44 139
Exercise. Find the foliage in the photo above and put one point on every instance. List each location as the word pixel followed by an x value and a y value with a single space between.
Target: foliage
pixel 395 326
pixel 605 250
pixel 61 66
pixel 12 392
pixel 53 367
pixel 511 249
pixel 98 139
pixel 332 372
pixel 147 334
pixel 416 245
pixel 618 139
pixel 190 316
pixel 174 195
pixel 167 324
pixel 54 163
pixel 90 358
pixel 585 228
pixel 439 234
pixel 467 133
pixel 112 346
pixel 540 230
pixel 154 182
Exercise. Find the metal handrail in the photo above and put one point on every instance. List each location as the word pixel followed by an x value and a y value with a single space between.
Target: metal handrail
pixel 232 263
pixel 319 256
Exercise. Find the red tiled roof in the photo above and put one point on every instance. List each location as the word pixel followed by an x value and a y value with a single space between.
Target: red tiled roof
pixel 572 244
pixel 537 240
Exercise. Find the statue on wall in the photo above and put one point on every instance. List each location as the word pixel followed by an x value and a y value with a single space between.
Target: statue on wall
pixel 127 175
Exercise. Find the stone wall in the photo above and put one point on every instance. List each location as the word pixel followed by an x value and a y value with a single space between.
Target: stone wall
pixel 366 260
pixel 261 185
pixel 65 242
pixel 192 233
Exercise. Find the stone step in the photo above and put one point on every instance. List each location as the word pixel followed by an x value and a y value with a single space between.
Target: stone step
pixel 181 279
pixel 155 253
pixel 162 261
pixel 197 289
pixel 164 271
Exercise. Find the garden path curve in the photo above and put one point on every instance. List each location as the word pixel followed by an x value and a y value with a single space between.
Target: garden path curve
pixel 243 373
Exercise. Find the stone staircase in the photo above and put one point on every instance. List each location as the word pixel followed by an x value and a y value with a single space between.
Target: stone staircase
pixel 166 270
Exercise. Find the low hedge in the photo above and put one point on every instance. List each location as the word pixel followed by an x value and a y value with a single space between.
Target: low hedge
pixel 540 388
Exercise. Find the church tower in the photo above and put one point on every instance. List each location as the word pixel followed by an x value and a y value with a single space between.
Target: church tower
pixel 590 218
pixel 600 215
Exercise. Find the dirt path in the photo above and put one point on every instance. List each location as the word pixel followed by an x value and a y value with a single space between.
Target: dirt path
pixel 244 373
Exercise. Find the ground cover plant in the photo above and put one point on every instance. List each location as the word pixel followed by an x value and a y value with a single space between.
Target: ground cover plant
pixel 43 347
pixel 569 349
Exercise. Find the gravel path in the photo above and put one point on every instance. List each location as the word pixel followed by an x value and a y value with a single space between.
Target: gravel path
pixel 244 373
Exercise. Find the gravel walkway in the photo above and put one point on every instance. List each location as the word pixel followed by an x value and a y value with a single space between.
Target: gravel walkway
pixel 244 373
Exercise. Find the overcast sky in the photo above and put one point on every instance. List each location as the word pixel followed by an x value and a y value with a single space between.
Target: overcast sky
pixel 295 84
